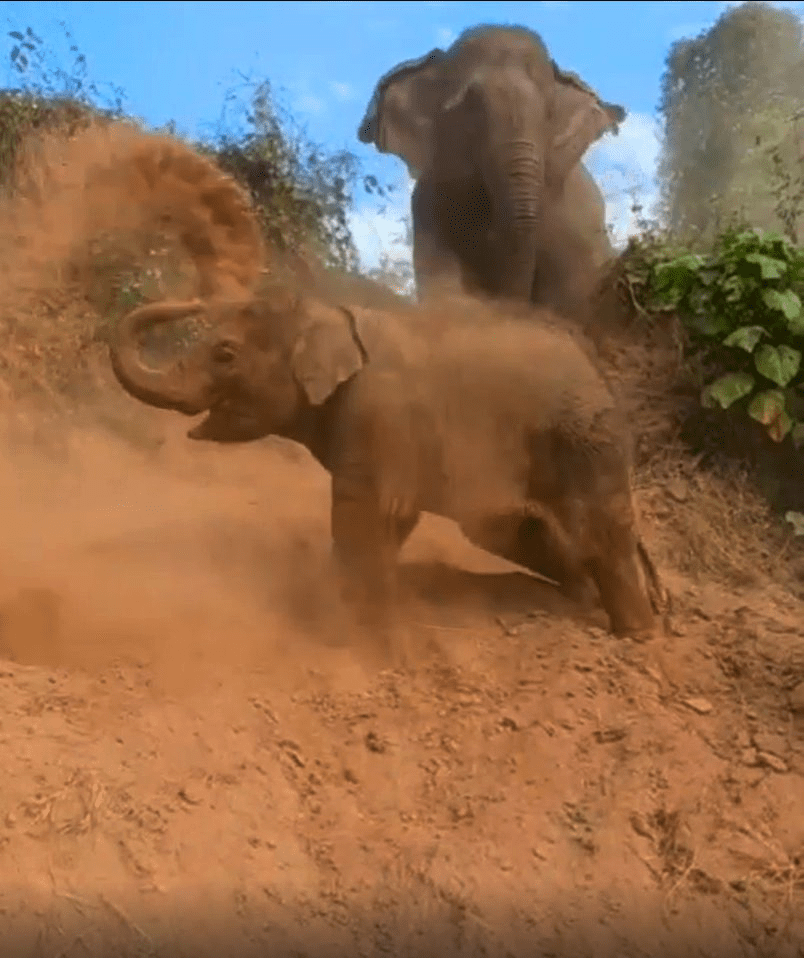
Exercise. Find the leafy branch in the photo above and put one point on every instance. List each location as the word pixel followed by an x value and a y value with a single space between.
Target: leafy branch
pixel 742 305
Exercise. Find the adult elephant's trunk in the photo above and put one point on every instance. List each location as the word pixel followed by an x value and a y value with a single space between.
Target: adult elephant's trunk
pixel 173 388
pixel 512 124
pixel 517 210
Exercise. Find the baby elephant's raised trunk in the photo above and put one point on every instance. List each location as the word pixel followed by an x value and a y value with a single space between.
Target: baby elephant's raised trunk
pixel 164 389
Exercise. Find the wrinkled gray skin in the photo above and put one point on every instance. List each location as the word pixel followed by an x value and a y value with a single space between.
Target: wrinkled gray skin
pixel 533 467
pixel 494 133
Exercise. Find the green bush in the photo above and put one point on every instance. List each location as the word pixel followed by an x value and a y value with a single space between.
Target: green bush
pixel 47 97
pixel 742 307
pixel 302 194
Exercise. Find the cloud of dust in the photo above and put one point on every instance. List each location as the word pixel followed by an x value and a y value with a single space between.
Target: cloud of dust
pixel 109 555
pixel 114 179
pixel 198 564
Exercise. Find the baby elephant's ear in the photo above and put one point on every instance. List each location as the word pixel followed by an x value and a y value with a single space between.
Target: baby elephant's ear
pixel 327 352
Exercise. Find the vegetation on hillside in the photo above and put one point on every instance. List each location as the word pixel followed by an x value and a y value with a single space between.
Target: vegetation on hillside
pixel 303 193
pixel 729 104
pixel 725 259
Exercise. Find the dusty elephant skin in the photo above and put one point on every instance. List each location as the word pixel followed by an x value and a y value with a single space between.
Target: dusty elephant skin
pixel 533 467
pixel 494 133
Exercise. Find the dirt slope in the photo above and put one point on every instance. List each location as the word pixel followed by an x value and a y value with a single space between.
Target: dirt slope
pixel 197 762
pixel 200 755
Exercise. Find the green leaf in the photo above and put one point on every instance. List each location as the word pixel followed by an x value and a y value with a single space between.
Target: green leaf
pixel 686 263
pixel 675 274
pixel 777 363
pixel 706 323
pixel 768 408
pixel 796 326
pixel 746 337
pixel 727 390
pixel 786 302
pixel 769 267
pixel 796 520
pixel 772 238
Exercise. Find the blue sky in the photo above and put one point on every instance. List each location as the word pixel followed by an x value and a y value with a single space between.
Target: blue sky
pixel 176 59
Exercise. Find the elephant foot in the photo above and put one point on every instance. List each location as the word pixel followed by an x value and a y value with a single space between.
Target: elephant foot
pixel 626 602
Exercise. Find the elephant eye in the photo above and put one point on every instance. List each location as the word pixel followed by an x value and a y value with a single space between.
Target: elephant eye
pixel 224 351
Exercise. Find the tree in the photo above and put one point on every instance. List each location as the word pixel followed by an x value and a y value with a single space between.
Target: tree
pixel 727 102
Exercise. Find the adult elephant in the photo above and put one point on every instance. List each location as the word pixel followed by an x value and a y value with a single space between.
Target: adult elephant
pixel 494 133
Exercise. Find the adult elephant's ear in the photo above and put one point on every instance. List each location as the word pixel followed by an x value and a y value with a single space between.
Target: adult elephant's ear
pixel 579 117
pixel 400 116
pixel 327 352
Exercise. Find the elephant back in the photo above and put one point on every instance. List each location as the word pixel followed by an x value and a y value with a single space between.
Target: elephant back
pixel 389 338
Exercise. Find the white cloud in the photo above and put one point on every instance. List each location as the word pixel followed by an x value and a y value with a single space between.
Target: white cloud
pixel 625 169
pixel 343 91
pixel 445 35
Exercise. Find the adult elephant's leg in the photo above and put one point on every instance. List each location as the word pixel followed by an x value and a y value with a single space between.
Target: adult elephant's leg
pixel 436 265
pixel 575 248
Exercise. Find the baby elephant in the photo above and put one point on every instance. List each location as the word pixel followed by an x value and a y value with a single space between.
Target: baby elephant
pixel 502 424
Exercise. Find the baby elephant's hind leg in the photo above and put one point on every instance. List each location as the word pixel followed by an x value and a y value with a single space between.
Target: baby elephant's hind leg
pixel 614 562
pixel 542 546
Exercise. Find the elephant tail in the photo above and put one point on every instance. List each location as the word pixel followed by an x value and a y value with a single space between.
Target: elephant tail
pixel 660 598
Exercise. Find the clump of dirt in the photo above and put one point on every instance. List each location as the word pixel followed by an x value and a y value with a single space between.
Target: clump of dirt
pixel 116 178
pixel 201 755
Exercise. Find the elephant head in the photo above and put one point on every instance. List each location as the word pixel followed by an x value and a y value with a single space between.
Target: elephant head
pixel 494 107
pixel 266 367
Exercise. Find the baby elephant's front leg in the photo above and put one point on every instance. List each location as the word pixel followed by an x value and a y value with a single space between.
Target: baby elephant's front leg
pixel 365 547
pixel 617 566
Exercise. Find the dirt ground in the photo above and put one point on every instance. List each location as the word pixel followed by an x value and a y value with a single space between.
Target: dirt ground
pixel 196 762
pixel 201 755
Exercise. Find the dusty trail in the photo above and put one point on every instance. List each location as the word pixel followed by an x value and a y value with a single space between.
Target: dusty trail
pixel 200 756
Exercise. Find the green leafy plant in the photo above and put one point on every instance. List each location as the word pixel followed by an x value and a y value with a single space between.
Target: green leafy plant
pixel 742 306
